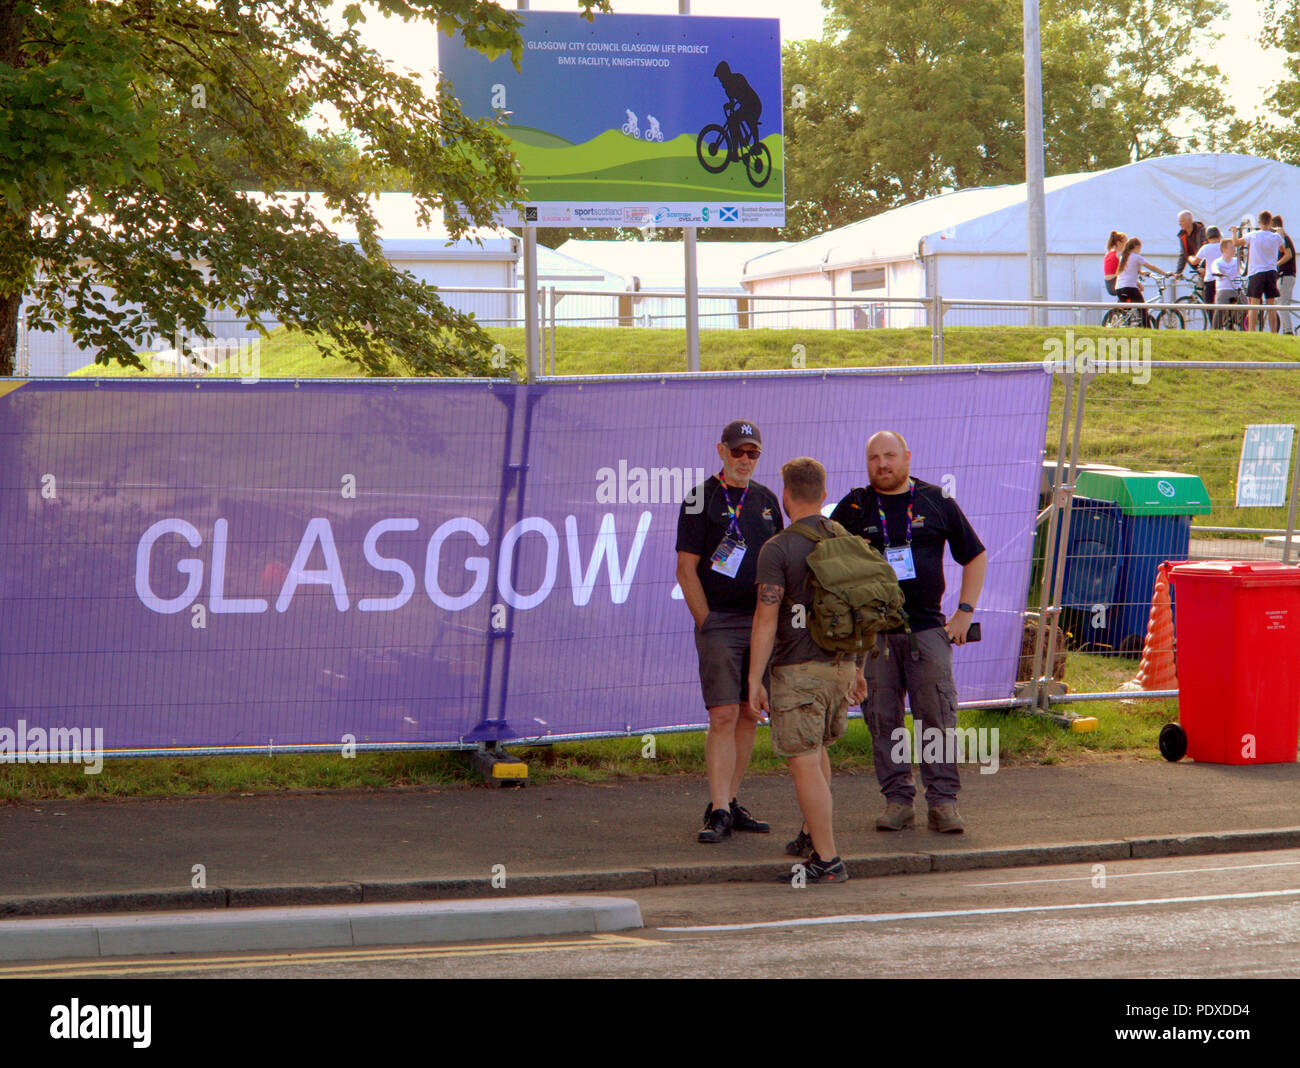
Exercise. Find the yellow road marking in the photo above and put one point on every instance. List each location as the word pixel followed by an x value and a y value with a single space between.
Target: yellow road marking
pixel 359 954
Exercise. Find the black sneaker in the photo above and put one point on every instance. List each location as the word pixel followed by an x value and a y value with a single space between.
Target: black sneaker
pixel 717 825
pixel 741 820
pixel 817 870
pixel 801 846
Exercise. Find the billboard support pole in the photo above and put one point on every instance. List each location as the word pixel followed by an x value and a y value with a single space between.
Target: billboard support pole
pixel 692 303
pixel 1034 164
pixel 532 335
pixel 692 276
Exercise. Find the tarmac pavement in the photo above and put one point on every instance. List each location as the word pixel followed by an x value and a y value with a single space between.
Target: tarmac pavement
pixel 60 858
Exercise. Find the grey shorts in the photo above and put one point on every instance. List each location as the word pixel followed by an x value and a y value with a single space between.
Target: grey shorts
pixel 723 645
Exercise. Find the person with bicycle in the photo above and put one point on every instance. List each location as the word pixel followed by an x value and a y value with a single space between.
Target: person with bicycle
pixel 743 107
pixel 1131 265
pixel 1110 265
pixel 1285 275
pixel 1264 250
pixel 1201 261
pixel 1191 236
pixel 1227 276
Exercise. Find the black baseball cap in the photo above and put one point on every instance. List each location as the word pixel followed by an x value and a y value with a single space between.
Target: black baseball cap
pixel 739 432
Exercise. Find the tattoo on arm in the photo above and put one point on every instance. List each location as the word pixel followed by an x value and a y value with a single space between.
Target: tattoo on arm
pixel 770 594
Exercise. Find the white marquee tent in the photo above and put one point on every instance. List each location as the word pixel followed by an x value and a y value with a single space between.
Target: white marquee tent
pixel 971 243
pixel 653 270
pixel 483 257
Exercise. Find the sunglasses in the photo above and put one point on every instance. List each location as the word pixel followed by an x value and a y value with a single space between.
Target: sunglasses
pixel 751 452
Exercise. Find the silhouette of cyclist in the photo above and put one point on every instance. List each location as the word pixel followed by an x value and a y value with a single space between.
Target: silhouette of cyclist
pixel 743 109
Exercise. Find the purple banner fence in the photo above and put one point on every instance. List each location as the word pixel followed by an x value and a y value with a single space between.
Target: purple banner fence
pixel 225 566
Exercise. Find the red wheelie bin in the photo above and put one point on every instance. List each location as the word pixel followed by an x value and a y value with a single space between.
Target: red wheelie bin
pixel 1237 630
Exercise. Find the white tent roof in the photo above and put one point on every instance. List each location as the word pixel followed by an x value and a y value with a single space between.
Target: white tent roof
pixel 1142 199
pixel 661 264
pixel 554 268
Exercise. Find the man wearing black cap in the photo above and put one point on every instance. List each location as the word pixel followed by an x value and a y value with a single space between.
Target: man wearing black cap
pixel 723 524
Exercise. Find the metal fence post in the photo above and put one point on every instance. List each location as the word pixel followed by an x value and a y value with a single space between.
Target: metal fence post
pixel 1058 582
pixel 936 329
pixel 551 302
pixel 1055 506
pixel 1290 511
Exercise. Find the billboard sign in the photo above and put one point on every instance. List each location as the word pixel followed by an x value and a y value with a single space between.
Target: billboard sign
pixel 1265 465
pixel 636 120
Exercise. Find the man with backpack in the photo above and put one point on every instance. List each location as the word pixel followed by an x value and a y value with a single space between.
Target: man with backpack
pixel 910 521
pixel 811 687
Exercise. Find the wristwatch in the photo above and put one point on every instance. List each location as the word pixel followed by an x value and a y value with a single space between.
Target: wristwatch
pixel 964 607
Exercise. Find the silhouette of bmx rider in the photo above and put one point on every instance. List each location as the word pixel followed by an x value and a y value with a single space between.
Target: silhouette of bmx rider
pixel 743 108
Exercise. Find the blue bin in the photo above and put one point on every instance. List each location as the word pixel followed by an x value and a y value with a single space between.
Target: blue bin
pixel 1094 562
pixel 1148 542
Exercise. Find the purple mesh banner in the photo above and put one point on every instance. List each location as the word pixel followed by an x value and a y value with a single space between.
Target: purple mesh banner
pixel 426 563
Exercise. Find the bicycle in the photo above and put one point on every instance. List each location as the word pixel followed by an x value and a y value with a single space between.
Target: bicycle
pixel 1131 314
pixel 1205 320
pixel 714 138
pixel 1233 316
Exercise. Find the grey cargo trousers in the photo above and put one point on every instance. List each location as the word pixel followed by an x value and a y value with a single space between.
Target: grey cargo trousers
pixel 928 685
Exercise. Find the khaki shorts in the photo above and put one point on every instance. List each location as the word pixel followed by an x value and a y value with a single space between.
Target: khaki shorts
pixel 810 705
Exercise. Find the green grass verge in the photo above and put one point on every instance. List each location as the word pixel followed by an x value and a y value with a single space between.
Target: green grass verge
pixel 1023 739
pixel 1189 421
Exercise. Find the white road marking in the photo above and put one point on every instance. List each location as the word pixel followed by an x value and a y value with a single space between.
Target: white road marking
pixel 1144 874
pixel 890 917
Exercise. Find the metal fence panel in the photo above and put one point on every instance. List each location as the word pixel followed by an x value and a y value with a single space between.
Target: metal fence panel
pixel 221 566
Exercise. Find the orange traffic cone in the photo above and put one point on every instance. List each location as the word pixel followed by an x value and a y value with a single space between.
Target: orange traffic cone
pixel 1157 671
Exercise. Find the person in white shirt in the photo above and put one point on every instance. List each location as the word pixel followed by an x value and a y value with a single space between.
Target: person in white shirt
pixel 1227 277
pixel 1131 265
pixel 1201 261
pixel 1264 249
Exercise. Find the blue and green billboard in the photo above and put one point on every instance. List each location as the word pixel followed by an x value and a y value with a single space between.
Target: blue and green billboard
pixel 626 120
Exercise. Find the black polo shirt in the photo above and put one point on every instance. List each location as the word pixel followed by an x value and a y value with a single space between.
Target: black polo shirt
pixel 702 531
pixel 936 520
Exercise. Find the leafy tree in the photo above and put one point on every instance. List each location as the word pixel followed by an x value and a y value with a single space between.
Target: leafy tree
pixel 126 127
pixel 898 102
pixel 1280 137
pixel 1159 80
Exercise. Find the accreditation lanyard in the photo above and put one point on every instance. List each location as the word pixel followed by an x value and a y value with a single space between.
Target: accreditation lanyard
pixel 900 558
pixel 731 550
pixel 733 526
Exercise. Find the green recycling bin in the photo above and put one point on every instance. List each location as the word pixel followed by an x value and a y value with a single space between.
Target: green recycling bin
pixel 1157 509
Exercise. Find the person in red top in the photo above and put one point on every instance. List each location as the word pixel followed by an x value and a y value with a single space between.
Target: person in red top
pixel 1110 266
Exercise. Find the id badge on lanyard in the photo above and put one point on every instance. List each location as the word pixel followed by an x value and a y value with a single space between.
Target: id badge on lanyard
pixel 727 556
pixel 730 552
pixel 900 559
pixel 900 556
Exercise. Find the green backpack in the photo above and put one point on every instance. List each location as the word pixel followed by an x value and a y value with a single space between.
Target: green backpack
pixel 856 594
